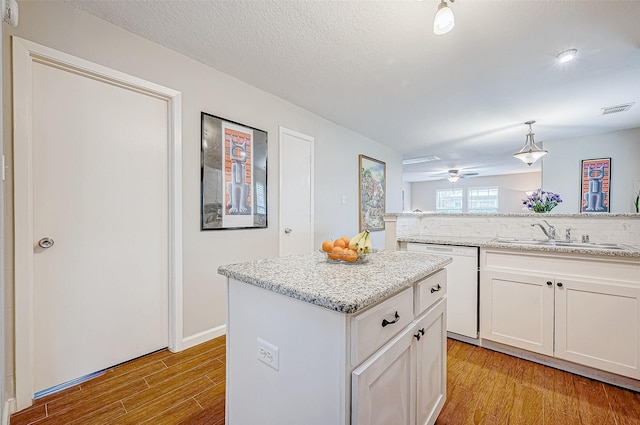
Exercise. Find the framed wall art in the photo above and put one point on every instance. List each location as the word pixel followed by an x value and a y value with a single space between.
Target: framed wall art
pixel 233 177
pixel 372 193
pixel 595 185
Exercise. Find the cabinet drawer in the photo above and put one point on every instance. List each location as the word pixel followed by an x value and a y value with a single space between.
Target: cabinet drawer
pixel 429 290
pixel 372 328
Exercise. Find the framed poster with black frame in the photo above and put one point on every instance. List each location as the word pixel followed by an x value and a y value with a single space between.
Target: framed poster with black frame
pixel 595 185
pixel 233 176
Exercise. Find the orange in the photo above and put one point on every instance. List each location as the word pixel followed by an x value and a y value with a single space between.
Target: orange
pixel 350 255
pixel 341 243
pixel 336 253
pixel 346 240
pixel 327 246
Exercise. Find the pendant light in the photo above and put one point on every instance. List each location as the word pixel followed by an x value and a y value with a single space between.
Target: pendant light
pixel 444 20
pixel 530 152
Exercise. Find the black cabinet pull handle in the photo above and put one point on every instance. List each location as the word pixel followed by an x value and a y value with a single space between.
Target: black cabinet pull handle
pixel 559 284
pixel 385 322
pixel 436 288
pixel 549 283
pixel 419 334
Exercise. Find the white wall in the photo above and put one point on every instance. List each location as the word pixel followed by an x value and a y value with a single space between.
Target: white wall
pixel 561 167
pixel 62 27
pixel 511 190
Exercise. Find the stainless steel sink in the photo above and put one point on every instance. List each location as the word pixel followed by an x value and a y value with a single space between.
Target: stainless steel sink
pixel 570 244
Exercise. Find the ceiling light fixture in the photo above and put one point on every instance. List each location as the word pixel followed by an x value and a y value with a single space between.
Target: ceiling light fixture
pixel 444 20
pixel 454 176
pixel 530 152
pixel 567 55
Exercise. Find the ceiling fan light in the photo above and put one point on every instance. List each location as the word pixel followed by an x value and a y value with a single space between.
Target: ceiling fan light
pixel 444 20
pixel 453 179
pixel 530 152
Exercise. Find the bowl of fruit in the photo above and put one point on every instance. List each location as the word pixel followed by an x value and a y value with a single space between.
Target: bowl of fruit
pixel 348 250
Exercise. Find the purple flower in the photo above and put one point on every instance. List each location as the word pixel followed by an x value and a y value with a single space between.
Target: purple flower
pixel 542 201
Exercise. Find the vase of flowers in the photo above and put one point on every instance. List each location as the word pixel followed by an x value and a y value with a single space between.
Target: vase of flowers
pixel 541 201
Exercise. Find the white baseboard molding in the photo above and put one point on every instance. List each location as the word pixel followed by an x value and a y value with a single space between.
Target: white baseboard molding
pixel 8 409
pixel 204 336
pixel 586 371
pixel 463 338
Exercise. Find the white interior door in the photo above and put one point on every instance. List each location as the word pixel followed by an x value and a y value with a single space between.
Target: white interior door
pixel 296 192
pixel 101 222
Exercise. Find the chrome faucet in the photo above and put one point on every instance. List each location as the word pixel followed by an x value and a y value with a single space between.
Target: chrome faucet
pixel 549 232
pixel 567 234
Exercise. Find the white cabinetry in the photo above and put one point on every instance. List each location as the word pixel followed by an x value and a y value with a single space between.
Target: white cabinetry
pixel 582 309
pixel 383 365
pixel 404 382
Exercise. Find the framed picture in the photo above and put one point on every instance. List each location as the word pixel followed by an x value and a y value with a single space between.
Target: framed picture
pixel 372 193
pixel 233 176
pixel 595 185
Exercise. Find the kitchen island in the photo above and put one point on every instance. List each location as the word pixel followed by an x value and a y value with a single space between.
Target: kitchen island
pixel 315 342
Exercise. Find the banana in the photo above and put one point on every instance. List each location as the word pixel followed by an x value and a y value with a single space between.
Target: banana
pixel 357 240
pixel 368 247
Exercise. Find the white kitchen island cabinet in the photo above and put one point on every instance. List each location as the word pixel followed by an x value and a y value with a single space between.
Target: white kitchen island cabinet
pixel 311 342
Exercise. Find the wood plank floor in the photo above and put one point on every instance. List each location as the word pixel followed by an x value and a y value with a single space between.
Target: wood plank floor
pixel 162 388
pixel 484 388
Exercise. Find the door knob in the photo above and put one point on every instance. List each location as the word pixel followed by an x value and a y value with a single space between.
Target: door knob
pixel 46 243
pixel 287 230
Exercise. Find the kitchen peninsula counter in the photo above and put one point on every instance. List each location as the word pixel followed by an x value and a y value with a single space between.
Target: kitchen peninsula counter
pixel 633 251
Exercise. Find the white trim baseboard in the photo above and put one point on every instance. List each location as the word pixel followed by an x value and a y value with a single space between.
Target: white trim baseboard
pixel 204 336
pixel 9 408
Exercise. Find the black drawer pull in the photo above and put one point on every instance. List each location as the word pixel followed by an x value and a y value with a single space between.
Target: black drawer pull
pixel 436 288
pixel 385 322
pixel 419 334
pixel 559 284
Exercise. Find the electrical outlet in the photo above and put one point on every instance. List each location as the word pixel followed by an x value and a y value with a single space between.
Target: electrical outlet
pixel 268 354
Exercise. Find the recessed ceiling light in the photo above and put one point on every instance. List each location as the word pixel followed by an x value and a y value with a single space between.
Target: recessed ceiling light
pixel 567 55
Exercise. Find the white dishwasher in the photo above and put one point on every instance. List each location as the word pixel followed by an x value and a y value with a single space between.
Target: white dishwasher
pixel 462 286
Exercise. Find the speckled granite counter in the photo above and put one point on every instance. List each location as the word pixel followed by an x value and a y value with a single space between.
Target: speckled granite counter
pixel 346 288
pixel 486 242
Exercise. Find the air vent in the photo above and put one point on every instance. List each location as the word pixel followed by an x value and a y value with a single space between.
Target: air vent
pixel 421 159
pixel 618 108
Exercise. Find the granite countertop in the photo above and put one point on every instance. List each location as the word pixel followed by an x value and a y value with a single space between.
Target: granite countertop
pixel 343 287
pixel 489 242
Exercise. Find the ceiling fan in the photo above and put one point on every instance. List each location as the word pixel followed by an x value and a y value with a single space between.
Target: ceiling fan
pixel 455 175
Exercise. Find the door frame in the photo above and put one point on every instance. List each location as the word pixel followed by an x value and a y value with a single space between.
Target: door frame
pixel 311 140
pixel 25 53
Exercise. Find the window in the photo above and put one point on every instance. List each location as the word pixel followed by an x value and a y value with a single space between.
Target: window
pixel 449 200
pixel 482 199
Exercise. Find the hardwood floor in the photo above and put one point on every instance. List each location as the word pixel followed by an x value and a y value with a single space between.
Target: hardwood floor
pixel 162 388
pixel 486 388
pixel 483 388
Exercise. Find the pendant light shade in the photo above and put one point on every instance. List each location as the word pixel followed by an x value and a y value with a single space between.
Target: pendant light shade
pixel 444 20
pixel 530 152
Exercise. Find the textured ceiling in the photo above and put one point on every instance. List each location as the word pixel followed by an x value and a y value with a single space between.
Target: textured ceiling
pixel 377 68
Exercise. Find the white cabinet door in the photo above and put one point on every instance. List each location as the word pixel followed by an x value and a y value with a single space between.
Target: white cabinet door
pixel 383 387
pixel 517 310
pixel 431 369
pixel 598 325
